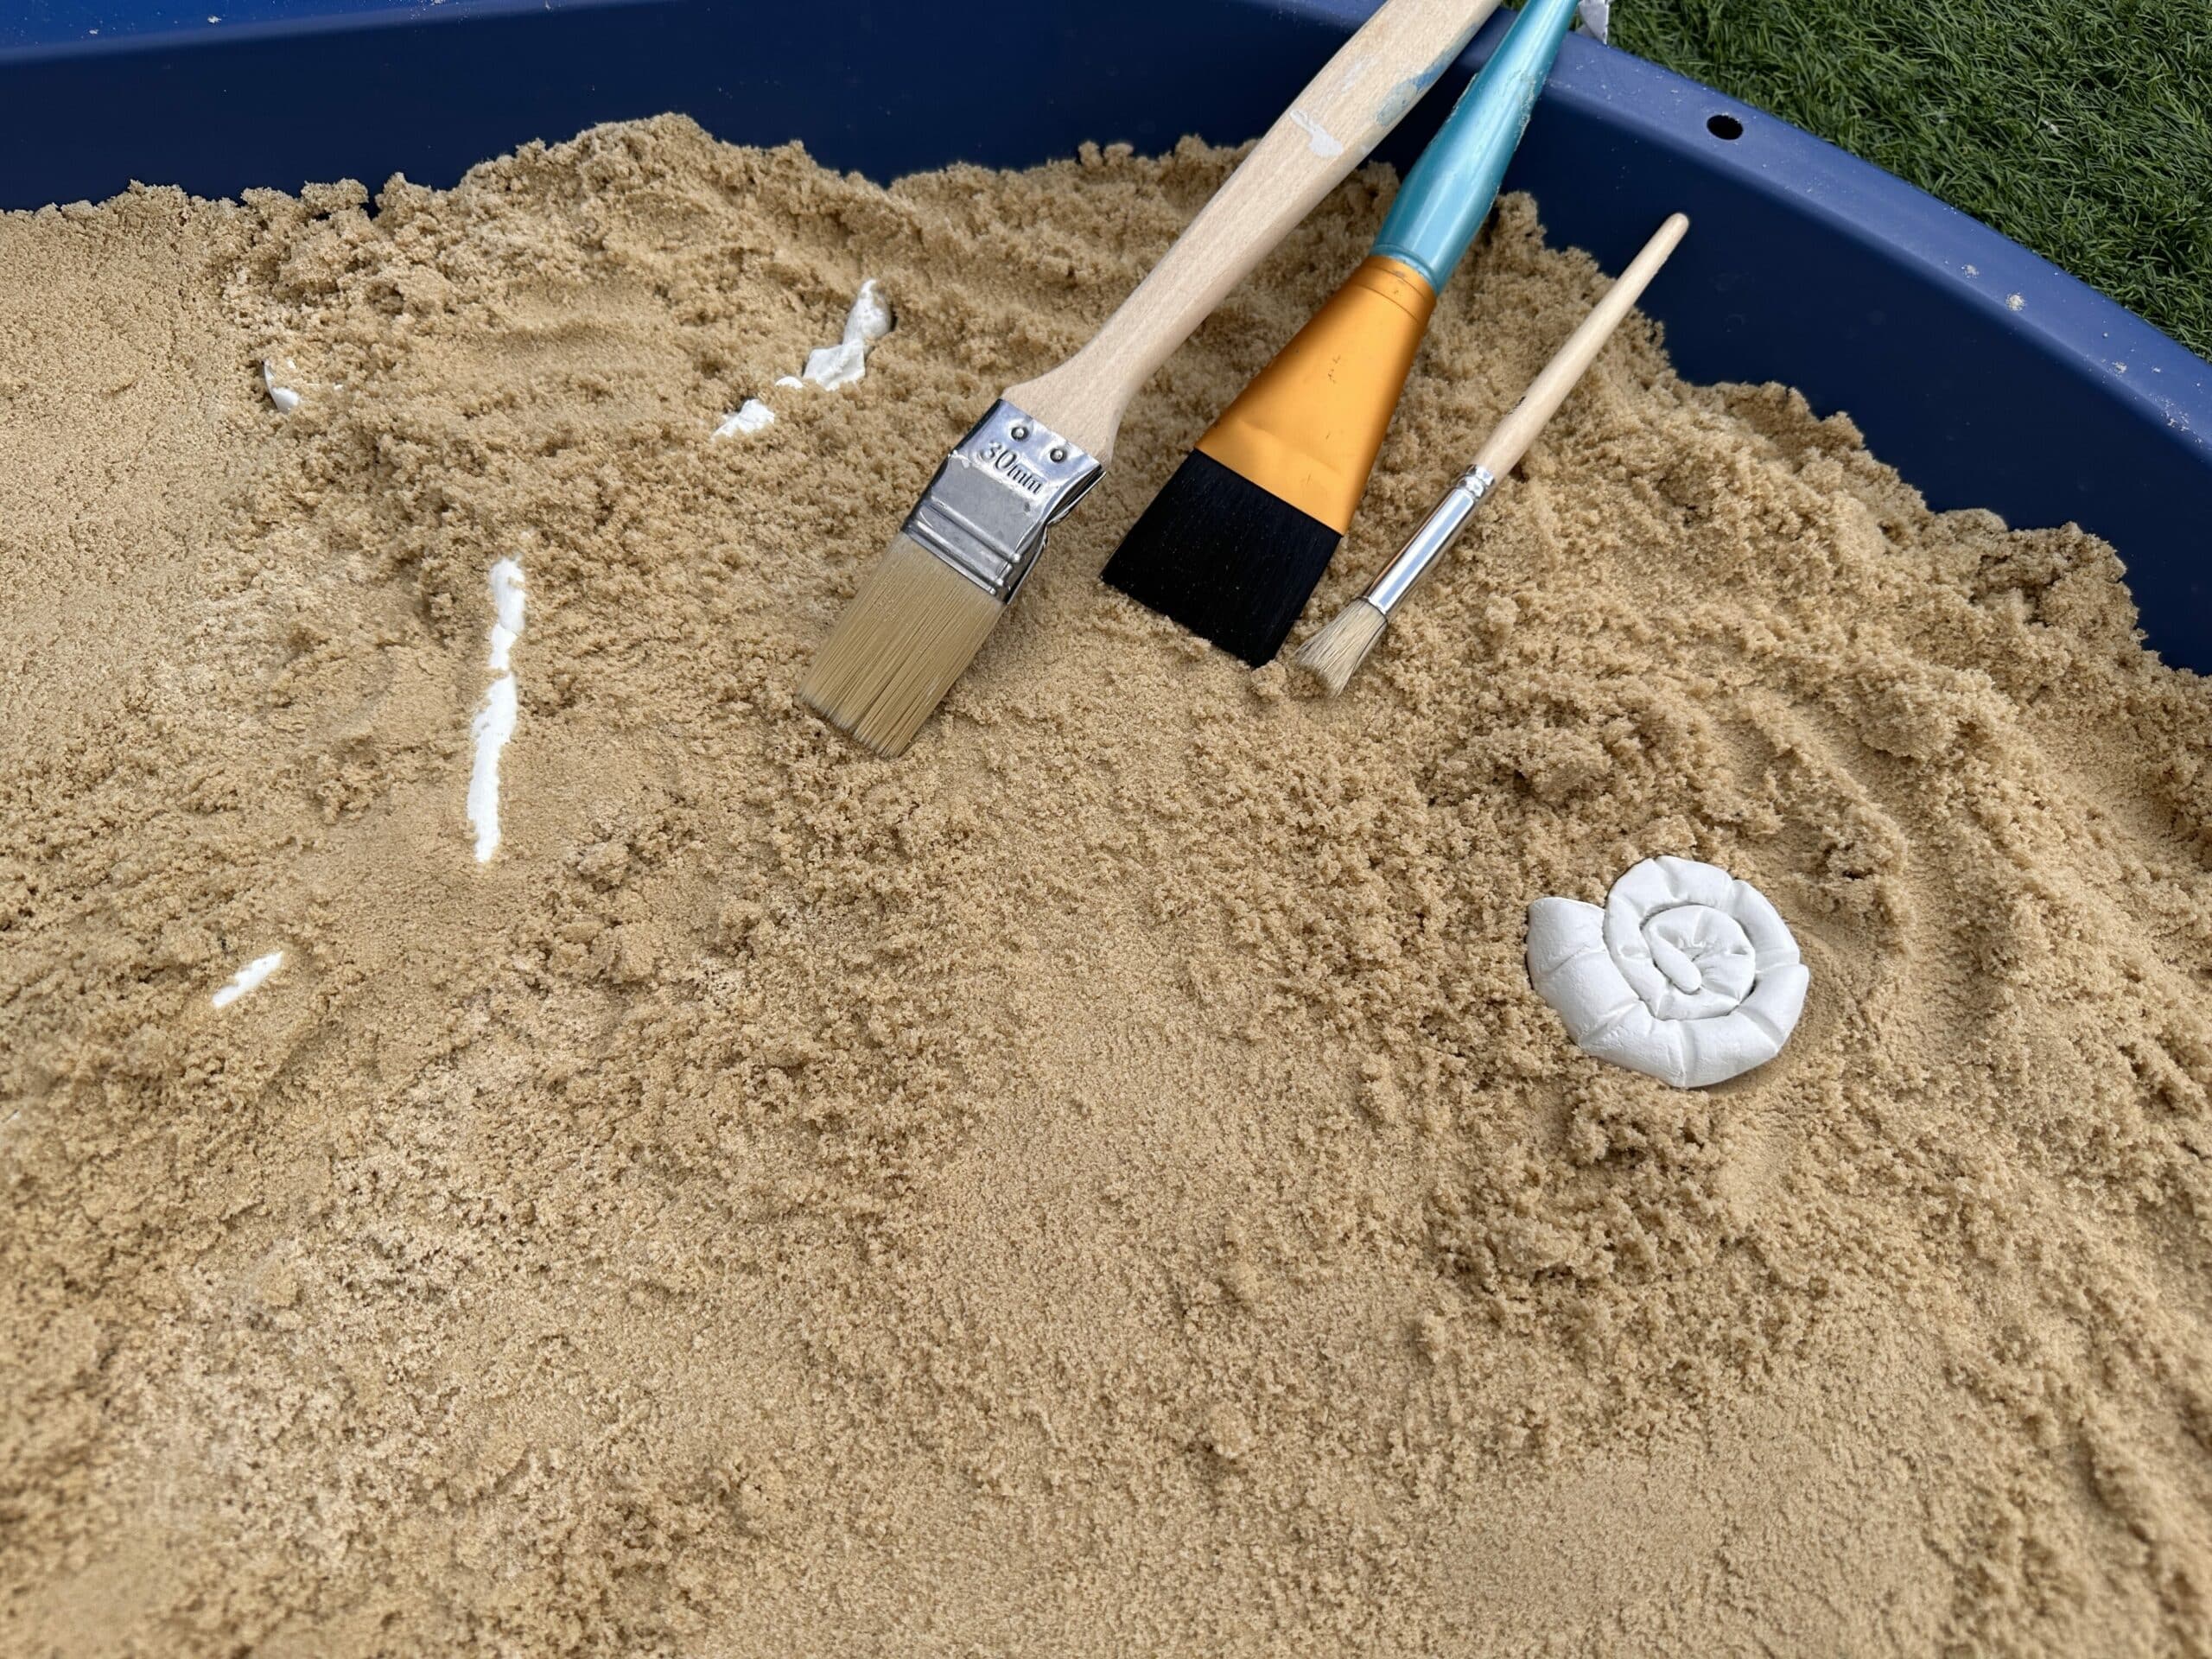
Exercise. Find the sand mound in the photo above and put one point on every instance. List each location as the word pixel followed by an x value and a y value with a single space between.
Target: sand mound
pixel 1103 1183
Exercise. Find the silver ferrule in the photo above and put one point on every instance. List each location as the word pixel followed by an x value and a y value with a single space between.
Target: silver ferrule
pixel 1437 532
pixel 1003 486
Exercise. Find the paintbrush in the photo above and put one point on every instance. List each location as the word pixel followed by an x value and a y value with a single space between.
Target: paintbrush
pixel 923 613
pixel 1333 655
pixel 1233 545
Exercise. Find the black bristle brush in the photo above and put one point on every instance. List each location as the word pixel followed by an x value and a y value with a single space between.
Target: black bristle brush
pixel 1234 544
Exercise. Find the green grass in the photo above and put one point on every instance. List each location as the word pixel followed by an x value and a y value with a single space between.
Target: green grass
pixel 2082 128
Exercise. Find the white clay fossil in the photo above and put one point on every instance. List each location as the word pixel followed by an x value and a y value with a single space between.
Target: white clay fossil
pixel 1685 973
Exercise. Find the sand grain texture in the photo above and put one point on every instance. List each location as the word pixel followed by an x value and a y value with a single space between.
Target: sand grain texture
pixel 1104 1183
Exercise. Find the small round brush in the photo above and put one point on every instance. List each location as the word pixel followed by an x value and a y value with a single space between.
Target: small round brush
pixel 1333 655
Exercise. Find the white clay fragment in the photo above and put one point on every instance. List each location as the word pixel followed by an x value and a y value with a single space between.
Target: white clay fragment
pixel 495 721
pixel 868 321
pixel 1686 974
pixel 751 416
pixel 248 978
pixel 284 398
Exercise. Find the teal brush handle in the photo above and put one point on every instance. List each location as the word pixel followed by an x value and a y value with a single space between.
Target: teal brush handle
pixel 1445 198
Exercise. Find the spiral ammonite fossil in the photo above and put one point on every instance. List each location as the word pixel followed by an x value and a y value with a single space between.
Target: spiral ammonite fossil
pixel 1685 973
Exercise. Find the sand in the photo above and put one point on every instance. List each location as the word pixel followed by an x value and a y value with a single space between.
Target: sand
pixel 1103 1184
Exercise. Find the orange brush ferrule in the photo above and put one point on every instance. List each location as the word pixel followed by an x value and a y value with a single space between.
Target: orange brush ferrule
pixel 1308 428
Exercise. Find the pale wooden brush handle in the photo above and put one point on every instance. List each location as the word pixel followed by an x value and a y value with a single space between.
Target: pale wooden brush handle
pixel 1344 112
pixel 1510 440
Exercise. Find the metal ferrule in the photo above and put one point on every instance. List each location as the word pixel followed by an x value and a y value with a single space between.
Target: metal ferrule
pixel 1437 533
pixel 1003 486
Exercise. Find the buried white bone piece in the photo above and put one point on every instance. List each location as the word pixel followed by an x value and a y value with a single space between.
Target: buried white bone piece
pixel 1685 973
pixel 283 397
pixel 867 321
pixel 495 721
pixel 753 415
pixel 248 979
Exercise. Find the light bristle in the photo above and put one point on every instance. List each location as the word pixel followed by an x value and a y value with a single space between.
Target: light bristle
pixel 1333 655
pixel 909 633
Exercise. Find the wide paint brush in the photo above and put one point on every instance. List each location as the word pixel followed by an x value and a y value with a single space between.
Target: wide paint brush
pixel 1232 546
pixel 922 613
pixel 1334 654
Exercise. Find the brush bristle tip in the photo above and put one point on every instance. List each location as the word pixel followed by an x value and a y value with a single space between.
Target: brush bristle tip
pixel 1333 655
pixel 909 633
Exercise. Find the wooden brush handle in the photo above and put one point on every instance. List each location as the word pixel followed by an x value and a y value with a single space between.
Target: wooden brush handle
pixel 1510 440
pixel 1379 74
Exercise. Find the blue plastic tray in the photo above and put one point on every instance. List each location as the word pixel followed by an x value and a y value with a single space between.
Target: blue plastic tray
pixel 1983 374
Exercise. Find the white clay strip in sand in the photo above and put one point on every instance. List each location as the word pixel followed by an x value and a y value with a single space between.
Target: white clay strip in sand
pixel 868 321
pixel 283 397
pixel 495 721
pixel 248 978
